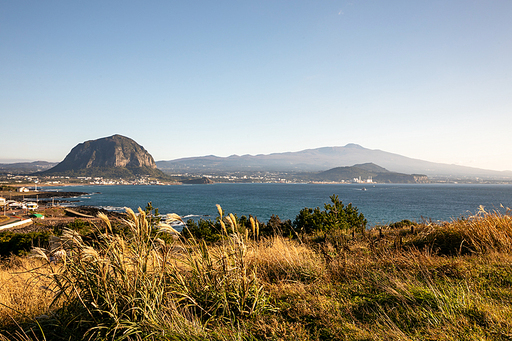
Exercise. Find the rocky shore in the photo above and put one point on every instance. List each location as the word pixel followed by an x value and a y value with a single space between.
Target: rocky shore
pixel 39 195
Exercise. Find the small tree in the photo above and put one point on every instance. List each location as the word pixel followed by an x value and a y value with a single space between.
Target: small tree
pixel 335 216
pixel 309 220
pixel 152 213
pixel 356 221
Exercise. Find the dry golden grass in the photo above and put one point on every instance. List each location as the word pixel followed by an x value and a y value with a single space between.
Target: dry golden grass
pixel 280 259
pixel 403 285
pixel 486 232
pixel 24 293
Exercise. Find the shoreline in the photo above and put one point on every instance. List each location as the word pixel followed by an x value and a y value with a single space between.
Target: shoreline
pixel 39 194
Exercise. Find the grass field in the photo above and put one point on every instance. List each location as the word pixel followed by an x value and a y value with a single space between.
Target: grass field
pixel 448 281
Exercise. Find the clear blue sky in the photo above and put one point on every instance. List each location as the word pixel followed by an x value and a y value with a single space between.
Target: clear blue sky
pixel 426 79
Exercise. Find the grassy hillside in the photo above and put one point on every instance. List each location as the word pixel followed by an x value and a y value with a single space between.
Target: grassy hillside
pixel 449 281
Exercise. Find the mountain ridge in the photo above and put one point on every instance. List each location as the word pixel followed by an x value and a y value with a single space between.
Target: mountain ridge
pixel 323 158
pixel 307 160
pixel 26 167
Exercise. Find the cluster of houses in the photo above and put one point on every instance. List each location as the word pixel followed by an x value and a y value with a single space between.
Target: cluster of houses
pixel 16 205
pixel 17 221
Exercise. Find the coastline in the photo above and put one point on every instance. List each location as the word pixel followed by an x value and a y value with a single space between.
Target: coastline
pixel 40 194
pixel 380 203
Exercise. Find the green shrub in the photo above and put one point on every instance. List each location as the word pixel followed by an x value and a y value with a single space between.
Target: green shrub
pixel 203 229
pixel 335 216
pixel 21 243
pixel 275 226
pixel 402 224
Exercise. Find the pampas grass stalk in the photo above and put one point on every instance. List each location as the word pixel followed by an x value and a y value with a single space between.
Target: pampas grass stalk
pixel 143 285
pixel 133 284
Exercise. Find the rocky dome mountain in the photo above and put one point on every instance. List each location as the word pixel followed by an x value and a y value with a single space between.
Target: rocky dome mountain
pixel 113 156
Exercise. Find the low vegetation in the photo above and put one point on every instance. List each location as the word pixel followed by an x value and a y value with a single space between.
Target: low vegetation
pixel 234 279
pixel 21 243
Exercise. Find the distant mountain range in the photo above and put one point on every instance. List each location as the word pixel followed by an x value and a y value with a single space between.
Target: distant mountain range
pixel 121 156
pixel 321 159
pixel 26 167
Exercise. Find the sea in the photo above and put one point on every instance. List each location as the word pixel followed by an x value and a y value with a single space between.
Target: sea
pixel 380 203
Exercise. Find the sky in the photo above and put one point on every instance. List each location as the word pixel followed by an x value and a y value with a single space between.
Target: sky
pixel 430 80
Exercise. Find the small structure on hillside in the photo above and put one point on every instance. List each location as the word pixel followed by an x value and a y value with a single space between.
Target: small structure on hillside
pixel 32 206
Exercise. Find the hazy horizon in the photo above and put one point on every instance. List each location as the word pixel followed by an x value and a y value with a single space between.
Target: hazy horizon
pixel 3 161
pixel 429 80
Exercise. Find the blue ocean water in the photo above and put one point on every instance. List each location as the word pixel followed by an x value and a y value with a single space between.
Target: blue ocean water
pixel 380 203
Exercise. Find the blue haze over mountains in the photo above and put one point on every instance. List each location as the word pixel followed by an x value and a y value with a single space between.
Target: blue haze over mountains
pixel 321 159
pixel 309 160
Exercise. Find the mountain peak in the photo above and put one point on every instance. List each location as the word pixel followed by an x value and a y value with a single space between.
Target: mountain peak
pixel 354 145
pixel 372 167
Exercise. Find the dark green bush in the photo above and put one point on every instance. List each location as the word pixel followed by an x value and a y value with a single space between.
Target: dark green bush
pixel 275 226
pixel 21 243
pixel 402 224
pixel 203 229
pixel 335 216
pixel 80 226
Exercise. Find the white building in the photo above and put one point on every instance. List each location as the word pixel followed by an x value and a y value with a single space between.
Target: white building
pixel 32 206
